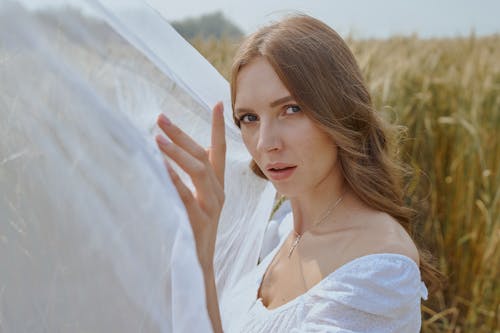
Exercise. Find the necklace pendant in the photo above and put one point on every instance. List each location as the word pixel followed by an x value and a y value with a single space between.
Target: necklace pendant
pixel 294 245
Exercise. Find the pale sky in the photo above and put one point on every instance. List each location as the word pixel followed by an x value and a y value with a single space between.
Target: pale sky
pixel 364 18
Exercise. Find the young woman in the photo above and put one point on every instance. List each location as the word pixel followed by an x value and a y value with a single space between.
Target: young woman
pixel 349 264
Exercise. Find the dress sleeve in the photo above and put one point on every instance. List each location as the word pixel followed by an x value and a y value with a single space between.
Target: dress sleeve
pixel 374 293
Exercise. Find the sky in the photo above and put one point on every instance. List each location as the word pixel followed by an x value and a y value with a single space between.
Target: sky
pixel 362 18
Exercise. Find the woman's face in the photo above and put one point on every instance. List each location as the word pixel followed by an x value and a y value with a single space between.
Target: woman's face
pixel 290 149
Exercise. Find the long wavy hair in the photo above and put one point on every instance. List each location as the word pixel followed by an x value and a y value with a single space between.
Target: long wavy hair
pixel 318 68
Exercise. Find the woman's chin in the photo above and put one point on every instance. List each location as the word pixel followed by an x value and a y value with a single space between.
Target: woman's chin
pixel 288 190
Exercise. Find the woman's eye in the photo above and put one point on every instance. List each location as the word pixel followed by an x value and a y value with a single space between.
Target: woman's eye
pixel 248 118
pixel 291 109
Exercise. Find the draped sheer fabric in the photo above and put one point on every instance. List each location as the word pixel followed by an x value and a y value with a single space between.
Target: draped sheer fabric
pixel 93 236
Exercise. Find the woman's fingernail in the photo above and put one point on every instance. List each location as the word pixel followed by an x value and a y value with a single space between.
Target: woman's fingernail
pixel 164 119
pixel 221 106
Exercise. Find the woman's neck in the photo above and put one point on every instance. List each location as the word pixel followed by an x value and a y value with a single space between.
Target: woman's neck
pixel 315 206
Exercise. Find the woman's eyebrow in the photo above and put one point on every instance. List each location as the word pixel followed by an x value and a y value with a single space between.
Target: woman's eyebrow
pixel 281 101
pixel 272 104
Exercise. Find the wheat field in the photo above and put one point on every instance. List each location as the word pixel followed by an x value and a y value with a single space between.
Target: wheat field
pixel 446 93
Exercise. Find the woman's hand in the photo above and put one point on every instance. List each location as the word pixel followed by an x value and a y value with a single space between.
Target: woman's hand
pixel 206 169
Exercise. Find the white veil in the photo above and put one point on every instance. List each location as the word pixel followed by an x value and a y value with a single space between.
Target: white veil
pixel 93 236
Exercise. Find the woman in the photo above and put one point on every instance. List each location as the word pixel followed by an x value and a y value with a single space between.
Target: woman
pixel 349 264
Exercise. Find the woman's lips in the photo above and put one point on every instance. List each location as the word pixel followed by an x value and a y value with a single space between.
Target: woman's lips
pixel 280 173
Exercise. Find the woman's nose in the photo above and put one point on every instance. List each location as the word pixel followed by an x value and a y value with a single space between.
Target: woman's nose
pixel 269 137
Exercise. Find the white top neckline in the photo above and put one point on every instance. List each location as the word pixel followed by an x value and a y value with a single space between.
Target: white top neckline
pixel 376 292
pixel 339 270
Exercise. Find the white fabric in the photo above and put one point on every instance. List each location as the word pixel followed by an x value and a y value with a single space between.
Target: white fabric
pixel 248 198
pixel 277 228
pixel 376 293
pixel 93 236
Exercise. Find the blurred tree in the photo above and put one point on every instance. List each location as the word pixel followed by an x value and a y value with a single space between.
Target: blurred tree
pixel 206 26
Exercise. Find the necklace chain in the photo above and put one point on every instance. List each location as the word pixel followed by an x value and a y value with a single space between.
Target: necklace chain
pixel 321 220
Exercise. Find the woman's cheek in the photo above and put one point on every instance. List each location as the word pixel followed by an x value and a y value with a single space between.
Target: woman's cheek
pixel 249 141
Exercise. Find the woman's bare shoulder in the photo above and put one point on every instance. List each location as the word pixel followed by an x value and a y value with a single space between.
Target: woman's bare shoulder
pixel 384 234
pixel 365 231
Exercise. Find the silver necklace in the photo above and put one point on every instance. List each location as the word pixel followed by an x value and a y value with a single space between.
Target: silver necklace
pixel 298 236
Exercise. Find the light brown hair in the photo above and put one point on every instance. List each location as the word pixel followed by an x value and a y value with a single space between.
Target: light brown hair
pixel 318 68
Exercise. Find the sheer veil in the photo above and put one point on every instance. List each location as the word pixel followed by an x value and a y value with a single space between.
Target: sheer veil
pixel 93 236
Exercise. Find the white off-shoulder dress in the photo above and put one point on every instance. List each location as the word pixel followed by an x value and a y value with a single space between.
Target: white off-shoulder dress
pixel 376 293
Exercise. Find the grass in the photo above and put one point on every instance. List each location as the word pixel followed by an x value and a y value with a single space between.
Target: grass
pixel 446 92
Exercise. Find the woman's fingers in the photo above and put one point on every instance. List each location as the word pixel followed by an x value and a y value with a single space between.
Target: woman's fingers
pixel 199 172
pixel 185 193
pixel 209 192
pixel 217 151
pixel 217 154
pixel 186 161
pixel 181 139
pixel 206 169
